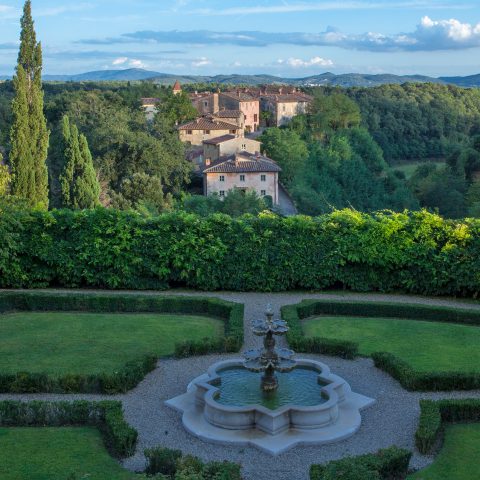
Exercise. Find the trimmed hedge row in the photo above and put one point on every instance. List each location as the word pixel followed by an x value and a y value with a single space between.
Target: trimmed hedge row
pixel 396 367
pixel 387 464
pixel 416 252
pixel 434 414
pixel 120 439
pixel 134 371
pixel 171 465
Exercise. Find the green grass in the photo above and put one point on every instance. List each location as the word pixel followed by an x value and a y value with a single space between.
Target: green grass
pixel 426 346
pixel 459 458
pixel 57 454
pixel 67 342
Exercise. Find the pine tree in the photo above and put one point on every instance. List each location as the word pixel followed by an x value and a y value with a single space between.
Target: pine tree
pixel 80 187
pixel 29 134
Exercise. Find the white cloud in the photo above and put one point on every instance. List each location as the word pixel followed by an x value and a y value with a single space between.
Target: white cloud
pixel 120 61
pixel 201 62
pixel 299 63
pixel 129 62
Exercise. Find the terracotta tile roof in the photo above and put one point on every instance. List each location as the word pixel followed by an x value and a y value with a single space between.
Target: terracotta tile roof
pixel 240 96
pixel 228 114
pixel 150 101
pixel 205 123
pixel 289 97
pixel 218 140
pixel 243 162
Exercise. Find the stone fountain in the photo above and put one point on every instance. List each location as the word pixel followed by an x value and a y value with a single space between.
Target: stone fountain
pixel 269 399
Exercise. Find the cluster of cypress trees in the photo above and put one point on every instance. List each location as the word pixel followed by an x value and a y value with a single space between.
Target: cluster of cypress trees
pixel 30 136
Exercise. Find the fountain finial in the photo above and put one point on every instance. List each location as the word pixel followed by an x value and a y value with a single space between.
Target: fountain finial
pixel 269 359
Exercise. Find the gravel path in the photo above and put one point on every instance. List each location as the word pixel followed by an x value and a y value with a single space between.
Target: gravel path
pixel 391 421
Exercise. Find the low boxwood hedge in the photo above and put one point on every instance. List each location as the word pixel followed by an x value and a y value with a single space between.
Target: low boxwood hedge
pixel 120 439
pixel 396 367
pixel 434 414
pixel 387 464
pixel 135 370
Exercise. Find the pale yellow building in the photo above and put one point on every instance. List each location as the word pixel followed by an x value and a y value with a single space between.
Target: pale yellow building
pixel 226 145
pixel 284 107
pixel 244 171
pixel 205 128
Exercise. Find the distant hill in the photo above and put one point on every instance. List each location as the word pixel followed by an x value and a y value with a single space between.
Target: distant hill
pixel 327 79
pixel 470 81
pixel 104 76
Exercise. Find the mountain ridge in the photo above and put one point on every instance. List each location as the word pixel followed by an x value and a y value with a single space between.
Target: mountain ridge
pixel 323 79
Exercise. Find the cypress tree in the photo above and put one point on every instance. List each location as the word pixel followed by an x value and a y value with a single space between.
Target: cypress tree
pixel 29 134
pixel 80 187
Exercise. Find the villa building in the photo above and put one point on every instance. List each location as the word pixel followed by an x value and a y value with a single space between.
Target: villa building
pixel 206 128
pixel 206 102
pixel 244 171
pixel 149 105
pixel 284 106
pixel 218 147
pixel 244 102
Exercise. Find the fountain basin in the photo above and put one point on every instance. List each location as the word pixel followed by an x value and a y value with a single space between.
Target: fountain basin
pixel 335 416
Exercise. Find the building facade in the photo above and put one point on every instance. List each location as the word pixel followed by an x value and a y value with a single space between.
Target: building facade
pixel 227 145
pixel 205 128
pixel 284 107
pixel 242 171
pixel 246 103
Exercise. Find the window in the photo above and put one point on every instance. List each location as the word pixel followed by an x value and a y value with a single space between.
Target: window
pixel 206 104
pixel 263 178
pixel 242 178
pixel 244 146
pixel 263 193
pixel 255 118
pixel 222 193
pixel 222 178
pixel 233 132
pixel 189 132
pixel 207 132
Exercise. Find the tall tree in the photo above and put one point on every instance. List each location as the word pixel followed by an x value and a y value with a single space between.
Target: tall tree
pixel 4 178
pixel 79 183
pixel 29 134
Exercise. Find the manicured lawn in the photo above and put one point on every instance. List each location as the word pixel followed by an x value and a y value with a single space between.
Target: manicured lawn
pixel 426 346
pixel 57 454
pixel 459 458
pixel 69 342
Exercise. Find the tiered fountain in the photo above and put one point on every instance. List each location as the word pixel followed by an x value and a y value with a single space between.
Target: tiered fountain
pixel 269 399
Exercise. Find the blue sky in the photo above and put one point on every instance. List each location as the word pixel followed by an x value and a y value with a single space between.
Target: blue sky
pixel 282 37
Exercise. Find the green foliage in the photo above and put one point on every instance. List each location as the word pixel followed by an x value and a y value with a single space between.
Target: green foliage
pixel 4 179
pixel 329 113
pixel 235 203
pixel 415 252
pixel 134 371
pixel 107 416
pixel 174 466
pixel 79 184
pixel 287 149
pixel 386 464
pixel 433 414
pixel 29 135
pixel 177 109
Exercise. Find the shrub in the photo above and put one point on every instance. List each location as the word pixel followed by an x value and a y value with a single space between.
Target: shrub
pixel 386 464
pixel 174 466
pixel 162 460
pixel 415 252
pixel 433 414
pixel 135 370
pixel 107 416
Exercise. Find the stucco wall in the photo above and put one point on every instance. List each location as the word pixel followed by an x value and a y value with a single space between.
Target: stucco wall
pixel 251 110
pixel 252 182
pixel 198 136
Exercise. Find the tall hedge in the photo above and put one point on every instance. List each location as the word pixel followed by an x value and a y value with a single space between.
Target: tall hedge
pixel 415 252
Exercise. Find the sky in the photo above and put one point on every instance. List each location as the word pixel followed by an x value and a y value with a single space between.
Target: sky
pixel 289 38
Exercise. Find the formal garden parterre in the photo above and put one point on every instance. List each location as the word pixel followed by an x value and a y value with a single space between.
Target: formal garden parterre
pixel 78 425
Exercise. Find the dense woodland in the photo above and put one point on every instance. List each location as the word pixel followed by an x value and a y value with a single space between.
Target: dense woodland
pixel 344 153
